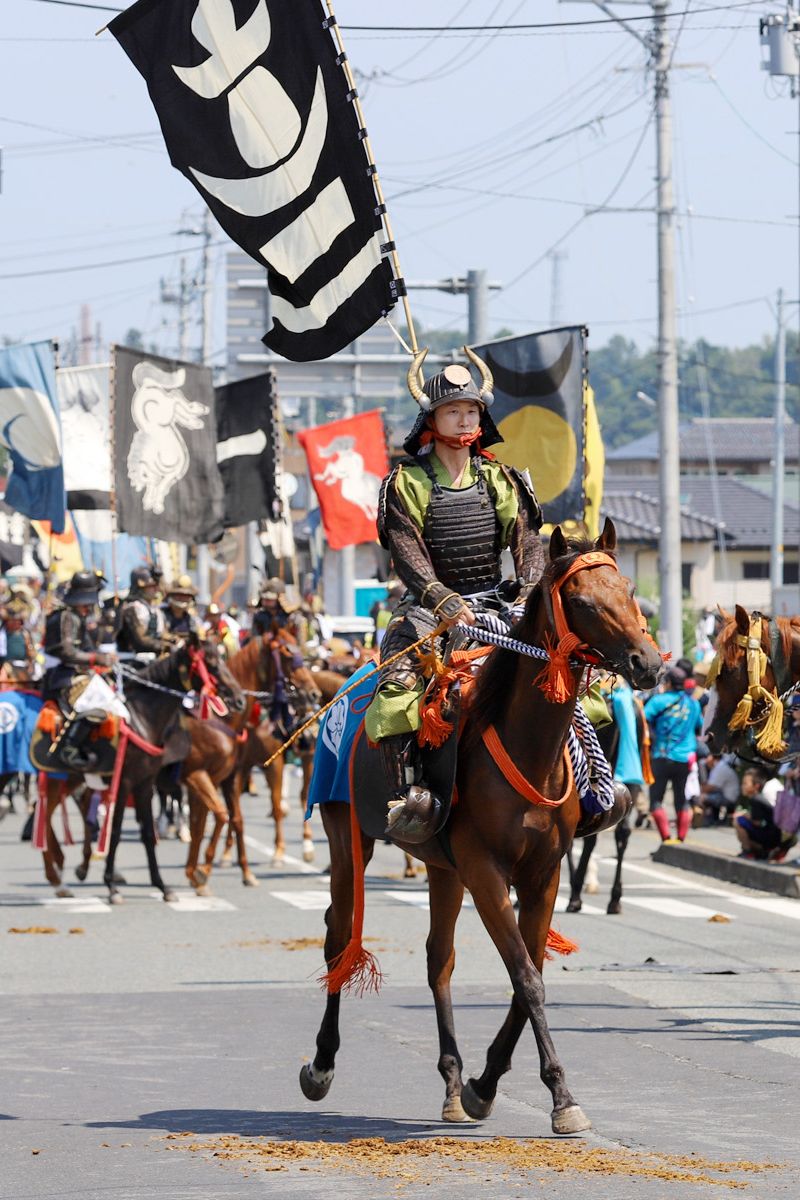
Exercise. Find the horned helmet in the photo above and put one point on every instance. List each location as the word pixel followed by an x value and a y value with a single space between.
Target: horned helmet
pixel 453 382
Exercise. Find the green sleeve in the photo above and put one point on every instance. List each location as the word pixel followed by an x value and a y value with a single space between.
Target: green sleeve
pixel 505 498
pixel 414 489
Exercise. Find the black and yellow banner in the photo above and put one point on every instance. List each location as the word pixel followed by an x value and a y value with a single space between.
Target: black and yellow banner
pixel 544 408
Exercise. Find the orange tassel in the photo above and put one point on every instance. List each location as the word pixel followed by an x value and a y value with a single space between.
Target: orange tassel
pixel 556 679
pixel 435 729
pixel 49 719
pixel 106 730
pixel 559 944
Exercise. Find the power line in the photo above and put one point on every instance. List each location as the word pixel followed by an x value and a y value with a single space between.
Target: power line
pixel 514 28
pixel 117 262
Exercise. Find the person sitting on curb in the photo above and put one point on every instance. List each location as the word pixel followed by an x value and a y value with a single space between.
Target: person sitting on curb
pixel 759 836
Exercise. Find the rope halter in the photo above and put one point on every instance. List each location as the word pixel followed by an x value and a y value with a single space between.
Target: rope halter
pixel 769 740
pixel 210 703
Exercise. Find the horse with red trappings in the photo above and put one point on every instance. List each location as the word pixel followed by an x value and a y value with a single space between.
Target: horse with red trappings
pixel 498 836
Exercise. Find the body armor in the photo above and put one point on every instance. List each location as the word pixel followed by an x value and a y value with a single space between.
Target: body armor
pixel 180 624
pixel 462 534
pixel 142 628
pixel 71 639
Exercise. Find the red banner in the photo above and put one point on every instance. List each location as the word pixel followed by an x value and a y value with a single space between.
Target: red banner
pixel 346 461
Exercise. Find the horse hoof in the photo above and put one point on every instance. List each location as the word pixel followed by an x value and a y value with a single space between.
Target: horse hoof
pixel 569 1120
pixel 614 908
pixel 574 906
pixel 184 835
pixel 200 876
pixel 202 889
pixel 63 893
pixel 453 1111
pixel 308 850
pixel 249 880
pixel 227 859
pixel 169 896
pixel 278 858
pixel 114 898
pixel 472 1104
pixel 81 872
pixel 315 1089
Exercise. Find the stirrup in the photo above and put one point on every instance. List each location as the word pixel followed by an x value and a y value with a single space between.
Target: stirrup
pixel 415 817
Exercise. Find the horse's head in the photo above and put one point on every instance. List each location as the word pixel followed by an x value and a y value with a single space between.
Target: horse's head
pixel 744 704
pixel 208 674
pixel 294 667
pixel 593 610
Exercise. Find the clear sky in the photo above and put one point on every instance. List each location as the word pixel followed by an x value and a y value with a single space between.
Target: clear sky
pixel 491 148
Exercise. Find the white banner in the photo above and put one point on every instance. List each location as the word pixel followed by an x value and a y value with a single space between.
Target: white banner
pixel 83 400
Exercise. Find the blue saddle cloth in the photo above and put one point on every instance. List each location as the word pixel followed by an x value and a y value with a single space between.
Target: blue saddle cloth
pixel 18 713
pixel 330 779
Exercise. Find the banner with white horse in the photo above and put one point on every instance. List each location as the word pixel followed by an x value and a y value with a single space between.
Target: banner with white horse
pixel 166 479
pixel 346 461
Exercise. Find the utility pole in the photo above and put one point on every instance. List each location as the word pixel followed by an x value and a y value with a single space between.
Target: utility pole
pixel 476 286
pixel 206 288
pixel 556 259
pixel 181 298
pixel 659 49
pixel 778 466
pixel 669 545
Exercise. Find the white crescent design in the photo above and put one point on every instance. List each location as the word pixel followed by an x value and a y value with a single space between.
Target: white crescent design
pixel 29 427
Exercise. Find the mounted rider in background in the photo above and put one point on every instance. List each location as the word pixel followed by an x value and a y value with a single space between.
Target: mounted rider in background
pixel 142 627
pixel 180 618
pixel 70 647
pixel 445 514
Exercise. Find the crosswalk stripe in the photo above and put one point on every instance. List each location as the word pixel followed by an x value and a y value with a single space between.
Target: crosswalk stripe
pixel 667 906
pixel 420 899
pixel 80 904
pixel 779 905
pixel 269 851
pixel 306 900
pixel 188 902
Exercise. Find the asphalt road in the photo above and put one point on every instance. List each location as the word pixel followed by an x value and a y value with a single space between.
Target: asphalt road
pixel 127 1028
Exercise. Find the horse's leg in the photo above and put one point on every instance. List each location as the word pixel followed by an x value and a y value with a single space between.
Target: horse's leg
pixel 307 763
pixel 521 947
pixel 143 796
pixel 53 856
pixel 109 877
pixel 446 896
pixel 316 1077
pixel 84 804
pixel 232 790
pixel 219 812
pixel 578 874
pixel 197 828
pixel 622 833
pixel 274 777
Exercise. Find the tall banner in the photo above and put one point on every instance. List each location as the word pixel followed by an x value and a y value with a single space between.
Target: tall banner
pixel 115 555
pixel 595 457
pixel 539 409
pixel 247 448
pixel 257 112
pixel 346 461
pixel 166 479
pixel 83 400
pixel 31 432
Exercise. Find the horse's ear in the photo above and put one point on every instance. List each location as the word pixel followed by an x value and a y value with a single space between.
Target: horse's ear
pixel 742 620
pixel 558 543
pixel 726 616
pixel 607 542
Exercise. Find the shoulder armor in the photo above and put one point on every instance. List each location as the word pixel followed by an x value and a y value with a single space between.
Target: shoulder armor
pixel 388 481
pixel 525 484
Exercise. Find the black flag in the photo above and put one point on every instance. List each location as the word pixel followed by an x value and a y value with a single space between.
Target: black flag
pixel 166 479
pixel 255 110
pixel 247 449
pixel 540 410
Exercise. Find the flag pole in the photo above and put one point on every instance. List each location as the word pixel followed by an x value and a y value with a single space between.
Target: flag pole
pixel 344 62
pixel 112 493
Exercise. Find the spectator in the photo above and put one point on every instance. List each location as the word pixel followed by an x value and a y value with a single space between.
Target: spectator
pixel 758 835
pixel 675 719
pixel 720 792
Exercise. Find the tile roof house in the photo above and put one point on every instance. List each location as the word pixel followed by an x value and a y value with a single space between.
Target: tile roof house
pixel 736 445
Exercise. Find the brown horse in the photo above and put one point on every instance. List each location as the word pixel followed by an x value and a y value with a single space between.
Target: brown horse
pixel 220 755
pixel 497 836
pixel 750 688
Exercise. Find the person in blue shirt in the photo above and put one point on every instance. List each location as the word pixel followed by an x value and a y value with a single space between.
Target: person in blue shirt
pixel 675 719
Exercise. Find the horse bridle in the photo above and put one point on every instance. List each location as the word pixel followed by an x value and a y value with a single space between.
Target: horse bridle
pixel 769 720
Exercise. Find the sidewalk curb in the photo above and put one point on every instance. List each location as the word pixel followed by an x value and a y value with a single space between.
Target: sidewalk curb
pixel 763 877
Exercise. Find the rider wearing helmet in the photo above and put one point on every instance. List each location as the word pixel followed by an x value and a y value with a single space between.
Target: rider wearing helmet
pixel 70 646
pixel 445 514
pixel 143 629
pixel 271 611
pixel 178 608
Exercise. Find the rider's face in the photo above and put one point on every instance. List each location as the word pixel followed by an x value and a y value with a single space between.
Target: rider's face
pixel 457 418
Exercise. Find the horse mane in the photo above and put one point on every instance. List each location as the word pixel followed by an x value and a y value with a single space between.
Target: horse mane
pixel 493 684
pixel 245 659
pixel 730 652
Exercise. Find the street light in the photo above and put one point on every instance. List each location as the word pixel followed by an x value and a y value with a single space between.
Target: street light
pixel 645 399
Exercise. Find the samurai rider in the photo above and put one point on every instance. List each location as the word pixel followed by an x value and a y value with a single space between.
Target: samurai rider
pixel 70 646
pixel 180 618
pixel 272 610
pixel 445 513
pixel 142 628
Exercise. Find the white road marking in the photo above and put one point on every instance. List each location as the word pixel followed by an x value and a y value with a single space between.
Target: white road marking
pixel 782 906
pixel 269 852
pixel 666 906
pixel 80 904
pixel 306 900
pixel 420 899
pixel 188 902
pixel 590 910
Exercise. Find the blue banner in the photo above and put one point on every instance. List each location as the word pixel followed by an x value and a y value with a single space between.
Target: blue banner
pixel 18 713
pixel 30 430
